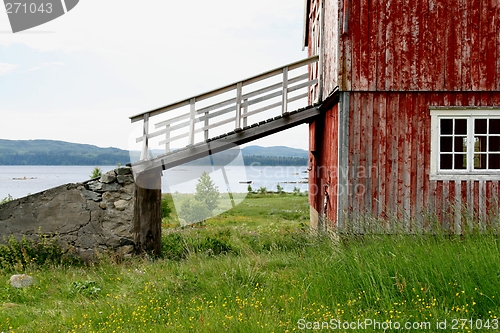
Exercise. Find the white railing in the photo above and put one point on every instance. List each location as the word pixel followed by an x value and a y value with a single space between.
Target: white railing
pixel 196 118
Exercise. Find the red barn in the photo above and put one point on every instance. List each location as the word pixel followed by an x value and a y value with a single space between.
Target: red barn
pixel 410 129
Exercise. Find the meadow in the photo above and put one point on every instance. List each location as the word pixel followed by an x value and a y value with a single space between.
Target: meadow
pixel 258 268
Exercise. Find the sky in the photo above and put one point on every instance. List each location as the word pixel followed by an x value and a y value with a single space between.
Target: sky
pixel 81 76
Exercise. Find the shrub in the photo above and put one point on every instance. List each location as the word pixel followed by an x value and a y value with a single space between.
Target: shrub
pixel 86 288
pixel 165 209
pixel 9 198
pixel 44 251
pixel 97 172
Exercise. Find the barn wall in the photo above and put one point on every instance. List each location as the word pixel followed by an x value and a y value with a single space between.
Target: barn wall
pixel 419 45
pixel 389 160
pixel 323 168
pixel 330 46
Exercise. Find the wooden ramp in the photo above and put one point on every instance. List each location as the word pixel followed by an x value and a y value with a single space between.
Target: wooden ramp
pixel 218 120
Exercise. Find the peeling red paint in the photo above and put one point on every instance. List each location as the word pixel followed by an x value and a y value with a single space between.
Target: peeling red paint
pixel 395 59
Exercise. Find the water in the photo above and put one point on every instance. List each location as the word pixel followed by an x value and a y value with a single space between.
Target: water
pixel 19 181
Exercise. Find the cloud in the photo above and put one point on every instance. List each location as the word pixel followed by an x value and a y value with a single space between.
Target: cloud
pixel 6 68
pixel 45 65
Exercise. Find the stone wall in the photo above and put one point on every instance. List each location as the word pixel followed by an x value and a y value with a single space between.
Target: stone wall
pixel 90 217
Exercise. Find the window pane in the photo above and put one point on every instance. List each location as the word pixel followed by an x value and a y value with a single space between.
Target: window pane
pixel 460 144
pixel 461 126
pixel 446 126
pixel 446 144
pixel 480 126
pixel 494 161
pixel 480 144
pixel 479 161
pixel 494 143
pixel 460 161
pixel 494 126
pixel 445 161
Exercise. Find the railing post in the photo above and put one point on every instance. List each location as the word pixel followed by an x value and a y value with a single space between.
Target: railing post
pixel 284 105
pixel 206 125
pixel 192 120
pixel 145 131
pixel 238 105
pixel 167 138
pixel 245 110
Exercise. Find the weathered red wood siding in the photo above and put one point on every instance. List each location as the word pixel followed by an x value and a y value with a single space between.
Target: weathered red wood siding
pixel 422 45
pixel 394 59
pixel 389 161
pixel 323 166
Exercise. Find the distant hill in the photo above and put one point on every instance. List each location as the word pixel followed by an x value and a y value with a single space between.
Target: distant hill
pixel 51 152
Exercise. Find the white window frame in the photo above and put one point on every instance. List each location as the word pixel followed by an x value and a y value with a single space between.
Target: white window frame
pixel 469 113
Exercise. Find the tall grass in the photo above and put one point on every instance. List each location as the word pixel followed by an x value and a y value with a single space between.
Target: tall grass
pixel 263 275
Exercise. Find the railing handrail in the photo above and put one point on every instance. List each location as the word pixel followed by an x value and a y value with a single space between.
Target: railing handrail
pixel 226 88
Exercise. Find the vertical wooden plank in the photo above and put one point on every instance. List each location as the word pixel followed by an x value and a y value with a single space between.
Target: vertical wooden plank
pixel 475 189
pixel 364 39
pixel 464 206
pixel 438 197
pixel 482 204
pixel 465 61
pixel 475 45
pixel 389 48
pixel 382 152
pixel 371 56
pixel 453 50
pixel 356 41
pixel 145 140
pixel 458 208
pixel 389 177
pixel 393 176
pixel 375 159
pixel 422 178
pixel 284 99
pixel 192 120
pixel 238 100
pixel 456 45
pixel 440 50
pixel 400 113
pixel 407 135
pixel 354 147
pixel 497 33
pixel 413 156
pixel 445 201
pixel 423 47
pixel 365 154
pixel 431 41
pixel 401 54
pixel 415 8
pixel 380 53
pixel 487 38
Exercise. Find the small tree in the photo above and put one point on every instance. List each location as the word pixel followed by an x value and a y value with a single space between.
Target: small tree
pixel 249 189
pixel 207 192
pixel 279 188
pixel 97 172
pixel 205 201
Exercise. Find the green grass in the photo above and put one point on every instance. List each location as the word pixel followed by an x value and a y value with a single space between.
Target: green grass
pixel 256 269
